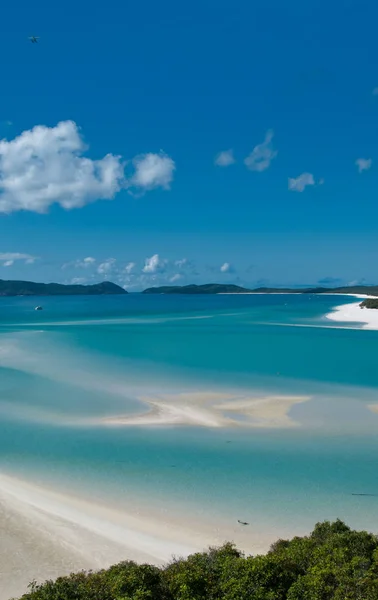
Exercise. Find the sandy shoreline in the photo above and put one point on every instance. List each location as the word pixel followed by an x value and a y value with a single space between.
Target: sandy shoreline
pixel 353 313
pixel 45 534
pixel 293 294
pixel 344 313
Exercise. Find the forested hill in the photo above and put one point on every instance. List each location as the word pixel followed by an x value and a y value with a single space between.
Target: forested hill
pixel 219 288
pixel 29 288
pixel 207 288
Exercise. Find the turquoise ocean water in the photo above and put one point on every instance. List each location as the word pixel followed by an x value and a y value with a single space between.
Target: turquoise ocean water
pixel 94 356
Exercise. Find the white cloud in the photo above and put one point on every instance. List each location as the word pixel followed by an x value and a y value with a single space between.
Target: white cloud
pixel 226 268
pixel 84 263
pixel 300 183
pixel 155 272
pixel 106 267
pixel 262 154
pixel 130 267
pixel 187 266
pixel 154 264
pixel 88 261
pixel 363 164
pixel 181 262
pixel 78 281
pixel 152 171
pixel 7 259
pixel 361 281
pixel 225 158
pixel 45 166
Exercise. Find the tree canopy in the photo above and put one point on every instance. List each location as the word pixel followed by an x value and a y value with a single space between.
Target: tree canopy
pixel 30 288
pixel 332 563
pixel 370 303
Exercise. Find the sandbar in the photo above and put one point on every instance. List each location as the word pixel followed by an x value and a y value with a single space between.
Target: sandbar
pixel 212 410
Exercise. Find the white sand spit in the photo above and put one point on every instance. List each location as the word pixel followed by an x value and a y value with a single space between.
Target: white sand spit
pixel 353 313
pixel 213 410
pixel 271 411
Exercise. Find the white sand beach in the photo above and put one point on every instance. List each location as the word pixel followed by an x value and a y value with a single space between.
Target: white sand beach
pixel 212 410
pixel 353 313
pixel 45 534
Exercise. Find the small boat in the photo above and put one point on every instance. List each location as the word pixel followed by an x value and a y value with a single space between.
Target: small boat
pixel 38 308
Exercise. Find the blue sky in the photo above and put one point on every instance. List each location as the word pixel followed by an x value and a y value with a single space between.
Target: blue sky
pixel 135 103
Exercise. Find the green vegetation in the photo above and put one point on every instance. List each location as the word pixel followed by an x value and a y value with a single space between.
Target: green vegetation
pixel 29 288
pixel 370 303
pixel 219 288
pixel 207 288
pixel 333 563
pixel 370 290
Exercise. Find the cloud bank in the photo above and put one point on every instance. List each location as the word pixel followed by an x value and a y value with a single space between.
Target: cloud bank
pixel 46 165
pixel 7 259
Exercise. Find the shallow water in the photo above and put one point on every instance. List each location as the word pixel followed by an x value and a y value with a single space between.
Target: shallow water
pixel 85 358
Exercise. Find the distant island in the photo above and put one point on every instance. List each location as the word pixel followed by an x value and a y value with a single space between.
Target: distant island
pixel 219 288
pixel 207 288
pixel 29 288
